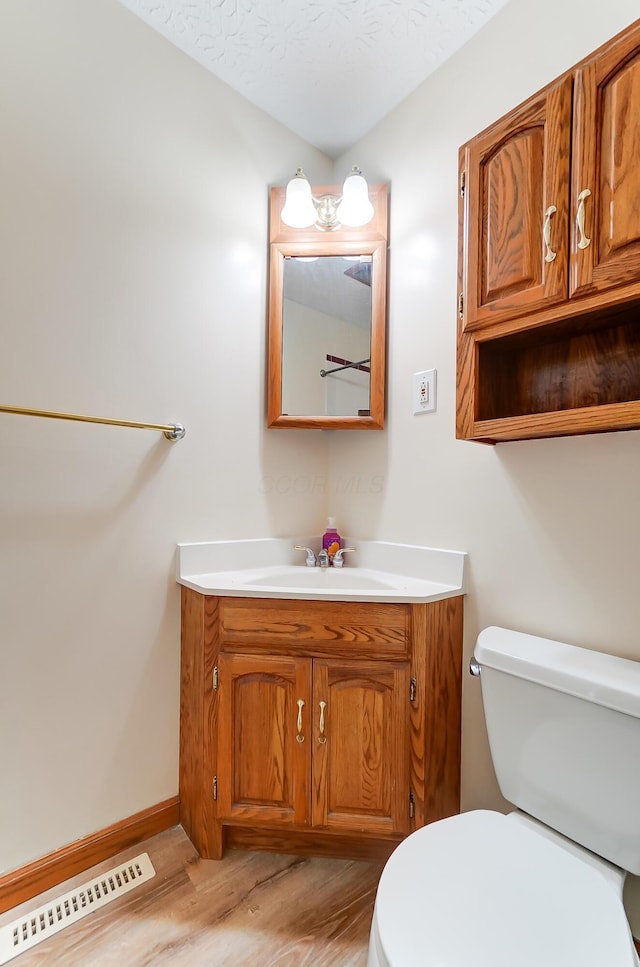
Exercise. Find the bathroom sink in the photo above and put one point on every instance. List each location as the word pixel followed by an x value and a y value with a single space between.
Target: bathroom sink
pixel 343 578
pixel 271 568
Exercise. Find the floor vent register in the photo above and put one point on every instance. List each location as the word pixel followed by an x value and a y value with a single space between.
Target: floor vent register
pixel 38 925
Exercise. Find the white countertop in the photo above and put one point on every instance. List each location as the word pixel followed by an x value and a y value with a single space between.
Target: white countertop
pixel 271 568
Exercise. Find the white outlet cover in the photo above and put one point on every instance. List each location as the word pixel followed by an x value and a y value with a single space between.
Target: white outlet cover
pixel 424 392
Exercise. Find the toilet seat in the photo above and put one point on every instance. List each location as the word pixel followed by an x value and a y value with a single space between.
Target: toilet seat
pixel 480 890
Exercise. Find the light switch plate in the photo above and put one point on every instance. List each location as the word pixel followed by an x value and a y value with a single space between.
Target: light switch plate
pixel 424 391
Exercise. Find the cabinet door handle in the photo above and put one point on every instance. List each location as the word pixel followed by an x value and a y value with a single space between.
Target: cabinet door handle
pixel 583 241
pixel 300 736
pixel 546 233
pixel 322 737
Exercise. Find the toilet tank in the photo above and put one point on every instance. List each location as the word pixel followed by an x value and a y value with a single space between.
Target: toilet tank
pixel 564 731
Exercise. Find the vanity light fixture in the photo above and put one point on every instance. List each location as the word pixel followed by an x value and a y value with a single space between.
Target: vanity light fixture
pixel 327 212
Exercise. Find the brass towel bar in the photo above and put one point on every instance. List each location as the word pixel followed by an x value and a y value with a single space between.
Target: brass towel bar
pixel 172 431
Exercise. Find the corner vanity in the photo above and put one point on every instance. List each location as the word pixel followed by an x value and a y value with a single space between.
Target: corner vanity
pixel 320 708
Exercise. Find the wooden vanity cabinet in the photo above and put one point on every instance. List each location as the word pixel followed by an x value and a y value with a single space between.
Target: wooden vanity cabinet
pixel 321 727
pixel 549 258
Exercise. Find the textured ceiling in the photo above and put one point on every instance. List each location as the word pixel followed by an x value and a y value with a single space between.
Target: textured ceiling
pixel 328 69
pixel 325 286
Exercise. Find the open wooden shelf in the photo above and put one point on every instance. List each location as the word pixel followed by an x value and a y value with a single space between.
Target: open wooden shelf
pixel 590 361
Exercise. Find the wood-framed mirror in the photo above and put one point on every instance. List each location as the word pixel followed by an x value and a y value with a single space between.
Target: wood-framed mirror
pixel 326 358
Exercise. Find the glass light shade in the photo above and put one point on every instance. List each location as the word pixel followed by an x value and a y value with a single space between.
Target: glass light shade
pixel 355 209
pixel 298 210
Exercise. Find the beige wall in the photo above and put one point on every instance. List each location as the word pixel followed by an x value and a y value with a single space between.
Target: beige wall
pixel 552 527
pixel 133 234
pixel 309 336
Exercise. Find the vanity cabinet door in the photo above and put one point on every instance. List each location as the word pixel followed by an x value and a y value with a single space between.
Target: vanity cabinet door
pixel 514 183
pixel 605 221
pixel 360 746
pixel 263 739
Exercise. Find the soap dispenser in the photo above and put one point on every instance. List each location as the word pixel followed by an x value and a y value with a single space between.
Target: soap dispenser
pixel 331 540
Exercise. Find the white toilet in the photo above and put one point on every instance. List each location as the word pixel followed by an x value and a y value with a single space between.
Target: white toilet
pixel 487 890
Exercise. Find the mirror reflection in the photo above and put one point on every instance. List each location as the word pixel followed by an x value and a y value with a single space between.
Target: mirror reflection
pixel 326 335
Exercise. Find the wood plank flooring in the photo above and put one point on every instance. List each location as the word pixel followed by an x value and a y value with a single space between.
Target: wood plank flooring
pixel 247 909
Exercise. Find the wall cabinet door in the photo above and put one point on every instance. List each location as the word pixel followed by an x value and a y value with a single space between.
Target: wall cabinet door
pixel 605 224
pixel 263 739
pixel 360 757
pixel 515 185
pixel 552 205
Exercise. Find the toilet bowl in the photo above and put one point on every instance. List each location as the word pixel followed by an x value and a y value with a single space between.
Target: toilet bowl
pixel 541 886
pixel 487 890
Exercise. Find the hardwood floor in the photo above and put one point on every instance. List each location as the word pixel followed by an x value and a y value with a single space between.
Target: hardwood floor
pixel 253 909
pixel 247 909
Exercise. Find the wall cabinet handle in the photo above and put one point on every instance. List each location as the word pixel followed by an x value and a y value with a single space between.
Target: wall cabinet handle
pixel 300 736
pixel 583 241
pixel 546 233
pixel 322 737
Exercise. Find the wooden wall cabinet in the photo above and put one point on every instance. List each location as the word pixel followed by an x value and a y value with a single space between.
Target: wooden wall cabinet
pixel 325 727
pixel 549 258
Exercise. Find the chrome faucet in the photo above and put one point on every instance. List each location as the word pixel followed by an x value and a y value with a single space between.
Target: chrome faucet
pixel 323 560
pixel 311 557
pixel 338 560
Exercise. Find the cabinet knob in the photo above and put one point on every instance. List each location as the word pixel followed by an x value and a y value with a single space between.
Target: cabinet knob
pixel 583 241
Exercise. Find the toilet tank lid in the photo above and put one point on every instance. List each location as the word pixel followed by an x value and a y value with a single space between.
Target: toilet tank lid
pixel 603 679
